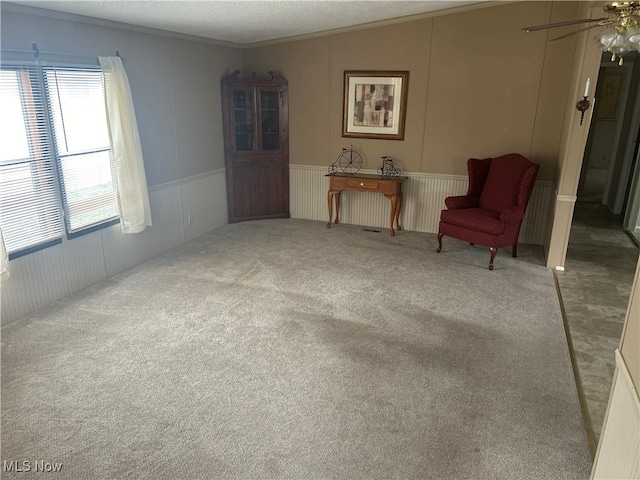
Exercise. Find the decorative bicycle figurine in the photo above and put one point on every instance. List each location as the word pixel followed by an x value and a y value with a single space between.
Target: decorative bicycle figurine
pixel 349 161
pixel 388 169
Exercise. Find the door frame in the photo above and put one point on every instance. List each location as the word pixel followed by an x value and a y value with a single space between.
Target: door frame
pixel 621 183
pixel 586 65
pixel 631 221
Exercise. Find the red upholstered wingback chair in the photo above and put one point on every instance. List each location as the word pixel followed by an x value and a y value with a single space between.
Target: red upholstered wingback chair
pixel 491 212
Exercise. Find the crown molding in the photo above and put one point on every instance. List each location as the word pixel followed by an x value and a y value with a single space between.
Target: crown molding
pixel 43 12
pixel 380 23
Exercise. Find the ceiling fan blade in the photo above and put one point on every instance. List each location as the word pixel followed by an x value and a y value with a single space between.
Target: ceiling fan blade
pixel 575 32
pixel 563 24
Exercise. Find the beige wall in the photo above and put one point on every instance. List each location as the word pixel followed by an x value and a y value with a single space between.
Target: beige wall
pixel 306 67
pixel 478 86
pixel 630 343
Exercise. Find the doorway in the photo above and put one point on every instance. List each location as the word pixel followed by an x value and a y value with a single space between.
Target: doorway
pixel 610 169
pixel 601 255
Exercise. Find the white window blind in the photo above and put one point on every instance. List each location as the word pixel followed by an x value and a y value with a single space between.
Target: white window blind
pixel 77 106
pixel 30 211
pixel 56 167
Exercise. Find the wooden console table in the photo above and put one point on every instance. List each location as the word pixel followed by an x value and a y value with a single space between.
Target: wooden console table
pixel 390 187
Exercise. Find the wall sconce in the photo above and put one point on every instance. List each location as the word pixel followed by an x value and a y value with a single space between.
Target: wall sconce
pixel 583 105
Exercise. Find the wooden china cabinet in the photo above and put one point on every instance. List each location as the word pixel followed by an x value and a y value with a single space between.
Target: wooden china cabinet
pixel 256 145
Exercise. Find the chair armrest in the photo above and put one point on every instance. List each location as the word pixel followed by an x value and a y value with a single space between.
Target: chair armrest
pixel 462 201
pixel 513 214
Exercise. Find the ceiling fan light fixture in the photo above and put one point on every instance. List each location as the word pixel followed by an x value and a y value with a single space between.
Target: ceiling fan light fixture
pixel 611 41
pixel 625 36
pixel 633 39
pixel 619 44
pixel 621 37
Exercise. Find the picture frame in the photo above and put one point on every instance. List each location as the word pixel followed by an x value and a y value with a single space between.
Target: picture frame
pixel 375 104
pixel 608 93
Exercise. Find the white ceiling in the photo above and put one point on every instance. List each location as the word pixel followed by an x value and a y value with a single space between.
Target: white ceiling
pixel 246 21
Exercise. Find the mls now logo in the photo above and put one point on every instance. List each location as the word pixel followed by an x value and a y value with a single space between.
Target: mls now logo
pixel 29 466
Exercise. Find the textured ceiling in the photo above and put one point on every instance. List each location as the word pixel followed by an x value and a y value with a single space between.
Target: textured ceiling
pixel 244 21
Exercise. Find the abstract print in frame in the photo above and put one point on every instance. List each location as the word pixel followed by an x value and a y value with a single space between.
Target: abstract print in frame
pixel 375 104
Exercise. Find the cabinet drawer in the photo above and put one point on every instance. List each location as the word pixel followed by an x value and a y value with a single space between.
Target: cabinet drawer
pixel 363 184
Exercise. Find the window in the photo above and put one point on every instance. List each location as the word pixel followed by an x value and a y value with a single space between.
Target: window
pixel 56 169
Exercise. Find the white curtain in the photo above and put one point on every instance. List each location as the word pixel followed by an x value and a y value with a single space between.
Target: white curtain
pixel 133 196
pixel 4 259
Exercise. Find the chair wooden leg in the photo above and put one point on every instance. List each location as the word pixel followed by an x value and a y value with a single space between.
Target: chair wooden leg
pixel 439 242
pixel 494 250
pixel 514 251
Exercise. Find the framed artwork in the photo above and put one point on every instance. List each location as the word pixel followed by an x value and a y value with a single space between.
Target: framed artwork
pixel 375 104
pixel 608 92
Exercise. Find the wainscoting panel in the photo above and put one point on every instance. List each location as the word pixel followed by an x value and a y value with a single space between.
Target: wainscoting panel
pixel 423 199
pixel 308 192
pixel 124 251
pixel 204 204
pixel 617 455
pixel 43 277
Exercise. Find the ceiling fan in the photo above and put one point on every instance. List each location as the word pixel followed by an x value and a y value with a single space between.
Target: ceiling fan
pixel 621 36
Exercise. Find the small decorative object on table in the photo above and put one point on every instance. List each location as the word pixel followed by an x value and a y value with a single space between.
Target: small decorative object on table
pixel 349 161
pixel 388 169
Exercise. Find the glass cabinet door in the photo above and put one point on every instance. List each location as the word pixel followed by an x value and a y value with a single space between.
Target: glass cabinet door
pixel 269 120
pixel 255 113
pixel 243 119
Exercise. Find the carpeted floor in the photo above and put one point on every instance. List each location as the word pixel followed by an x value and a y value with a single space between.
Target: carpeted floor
pixel 281 349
